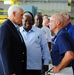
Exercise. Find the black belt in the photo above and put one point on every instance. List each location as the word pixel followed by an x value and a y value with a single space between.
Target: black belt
pixel 68 66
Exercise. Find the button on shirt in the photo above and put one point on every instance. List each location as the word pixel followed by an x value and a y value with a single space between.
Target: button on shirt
pixel 37 47
pixel 62 43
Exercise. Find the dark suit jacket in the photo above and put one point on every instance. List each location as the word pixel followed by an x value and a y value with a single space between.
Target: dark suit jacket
pixel 12 50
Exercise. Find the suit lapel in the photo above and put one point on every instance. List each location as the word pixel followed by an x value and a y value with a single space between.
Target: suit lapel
pixel 11 25
pixel 13 28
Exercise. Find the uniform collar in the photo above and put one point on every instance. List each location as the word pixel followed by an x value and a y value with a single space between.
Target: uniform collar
pixel 68 26
pixel 32 29
pixel 53 39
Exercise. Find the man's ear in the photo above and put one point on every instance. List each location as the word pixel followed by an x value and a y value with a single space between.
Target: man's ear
pixel 58 22
pixel 14 13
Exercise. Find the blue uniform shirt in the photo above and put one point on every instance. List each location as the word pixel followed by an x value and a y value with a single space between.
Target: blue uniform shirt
pixel 70 29
pixel 62 43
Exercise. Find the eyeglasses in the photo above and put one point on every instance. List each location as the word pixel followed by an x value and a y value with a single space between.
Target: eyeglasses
pixel 52 20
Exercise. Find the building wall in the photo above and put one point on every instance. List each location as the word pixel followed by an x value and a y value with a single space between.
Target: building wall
pixel 50 7
pixel 4 7
pixel 47 6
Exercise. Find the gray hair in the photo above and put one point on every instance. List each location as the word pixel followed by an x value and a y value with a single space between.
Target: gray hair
pixel 66 15
pixel 12 8
pixel 60 17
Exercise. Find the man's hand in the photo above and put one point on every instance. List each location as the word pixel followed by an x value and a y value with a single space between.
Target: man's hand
pixel 55 69
pixel 13 74
pixel 45 67
pixel 68 57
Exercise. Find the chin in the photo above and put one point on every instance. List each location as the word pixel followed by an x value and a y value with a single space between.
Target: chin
pixel 20 25
pixel 51 30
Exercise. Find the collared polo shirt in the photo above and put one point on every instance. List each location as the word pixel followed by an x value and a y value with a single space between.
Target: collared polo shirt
pixel 62 43
pixel 70 29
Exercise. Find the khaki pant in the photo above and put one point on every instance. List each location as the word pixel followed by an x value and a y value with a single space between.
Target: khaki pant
pixel 65 71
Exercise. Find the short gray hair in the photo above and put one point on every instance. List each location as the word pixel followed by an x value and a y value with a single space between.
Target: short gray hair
pixel 60 17
pixel 66 15
pixel 12 8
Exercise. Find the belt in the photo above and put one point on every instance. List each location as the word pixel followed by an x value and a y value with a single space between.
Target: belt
pixel 68 66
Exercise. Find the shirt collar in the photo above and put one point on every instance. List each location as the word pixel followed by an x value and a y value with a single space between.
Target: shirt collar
pixel 60 31
pixel 68 26
pixel 16 26
pixel 32 29
pixel 53 39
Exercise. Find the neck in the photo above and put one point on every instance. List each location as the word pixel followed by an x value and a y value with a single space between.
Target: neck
pixel 12 20
pixel 27 29
pixel 57 30
pixel 39 26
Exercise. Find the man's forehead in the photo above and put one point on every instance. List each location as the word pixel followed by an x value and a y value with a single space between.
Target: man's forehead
pixel 26 16
pixel 53 17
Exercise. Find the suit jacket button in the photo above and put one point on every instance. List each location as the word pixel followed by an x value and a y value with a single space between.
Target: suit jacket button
pixel 4 72
pixel 22 60
pixel 22 52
